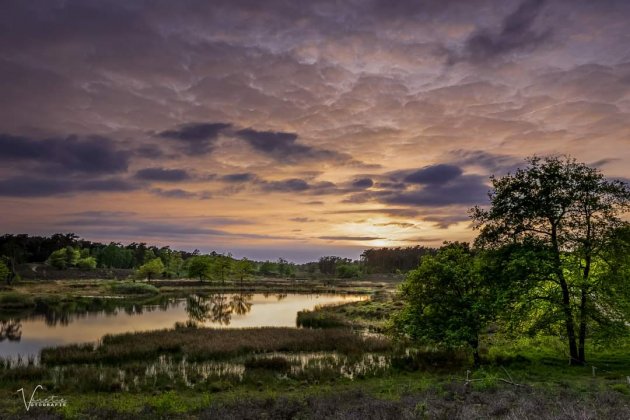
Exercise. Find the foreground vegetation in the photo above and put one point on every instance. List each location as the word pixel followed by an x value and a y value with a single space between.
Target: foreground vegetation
pixel 525 378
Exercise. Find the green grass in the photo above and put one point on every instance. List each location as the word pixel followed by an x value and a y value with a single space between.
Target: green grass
pixel 372 314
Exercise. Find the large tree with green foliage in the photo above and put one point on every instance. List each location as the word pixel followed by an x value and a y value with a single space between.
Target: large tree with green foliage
pixel 200 267
pixel 152 268
pixel 242 269
pixel 64 258
pixel 563 215
pixel 446 299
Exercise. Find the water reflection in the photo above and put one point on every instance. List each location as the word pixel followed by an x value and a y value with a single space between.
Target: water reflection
pixel 218 308
pixel 88 319
pixel 10 330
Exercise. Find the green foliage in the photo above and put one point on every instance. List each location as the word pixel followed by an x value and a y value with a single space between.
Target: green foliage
pixel 348 271
pixel 200 267
pixel 242 269
pixel 153 268
pixel 4 271
pixel 87 263
pixel 128 288
pixel 557 220
pixel 115 256
pixel 64 258
pixel 221 266
pixel 268 268
pixel 447 301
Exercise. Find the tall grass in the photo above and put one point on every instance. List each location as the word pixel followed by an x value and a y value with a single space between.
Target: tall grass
pixel 208 343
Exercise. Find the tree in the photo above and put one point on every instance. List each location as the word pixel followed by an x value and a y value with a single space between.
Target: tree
pixel 155 267
pixel 242 269
pixel 4 272
pixel 328 265
pixel 200 267
pixel 268 268
pixel 570 210
pixel 87 263
pixel 221 266
pixel 64 258
pixel 446 300
pixel 348 271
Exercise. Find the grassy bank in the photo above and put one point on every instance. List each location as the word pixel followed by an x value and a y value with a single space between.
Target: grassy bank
pixel 372 314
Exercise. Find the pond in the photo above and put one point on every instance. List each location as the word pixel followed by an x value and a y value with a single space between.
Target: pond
pixel 26 336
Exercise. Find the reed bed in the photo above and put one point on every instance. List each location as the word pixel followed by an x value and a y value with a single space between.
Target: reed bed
pixel 209 343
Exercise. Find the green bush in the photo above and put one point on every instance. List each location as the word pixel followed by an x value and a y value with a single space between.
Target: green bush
pixel 87 263
pixel 319 319
pixel 128 288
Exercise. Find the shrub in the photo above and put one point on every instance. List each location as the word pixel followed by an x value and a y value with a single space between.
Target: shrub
pixel 128 288
pixel 317 319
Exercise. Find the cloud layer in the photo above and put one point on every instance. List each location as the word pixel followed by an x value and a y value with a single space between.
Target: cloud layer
pixel 328 122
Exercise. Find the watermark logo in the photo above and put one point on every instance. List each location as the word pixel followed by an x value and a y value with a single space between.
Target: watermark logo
pixel 52 401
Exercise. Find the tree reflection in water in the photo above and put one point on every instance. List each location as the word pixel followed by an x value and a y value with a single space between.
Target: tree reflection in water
pixel 217 308
pixel 241 303
pixel 10 330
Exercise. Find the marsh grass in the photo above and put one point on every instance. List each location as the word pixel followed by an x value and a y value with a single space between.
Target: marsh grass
pixel 209 343
pixel 372 314
pixel 16 301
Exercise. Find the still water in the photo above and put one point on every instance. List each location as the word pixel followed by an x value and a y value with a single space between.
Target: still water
pixel 27 336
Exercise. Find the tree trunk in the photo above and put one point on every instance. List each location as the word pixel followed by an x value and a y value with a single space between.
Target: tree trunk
pixel 475 346
pixel 566 302
pixel 583 309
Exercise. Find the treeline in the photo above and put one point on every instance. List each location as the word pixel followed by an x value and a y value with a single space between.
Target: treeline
pixel 65 250
pixel 69 251
pixel 392 260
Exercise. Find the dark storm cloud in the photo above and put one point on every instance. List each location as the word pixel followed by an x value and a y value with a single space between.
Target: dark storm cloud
pixel 72 154
pixel 284 147
pixel 362 183
pixel 198 138
pixel 435 174
pixel 466 189
pixel 181 193
pixel 164 175
pixel 431 186
pixel 517 34
pixel 287 185
pixel 239 177
pixel 24 186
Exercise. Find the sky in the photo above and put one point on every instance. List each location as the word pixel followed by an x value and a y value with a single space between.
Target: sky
pixel 283 128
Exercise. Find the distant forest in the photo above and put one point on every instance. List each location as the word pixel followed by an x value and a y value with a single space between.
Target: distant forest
pixel 68 250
